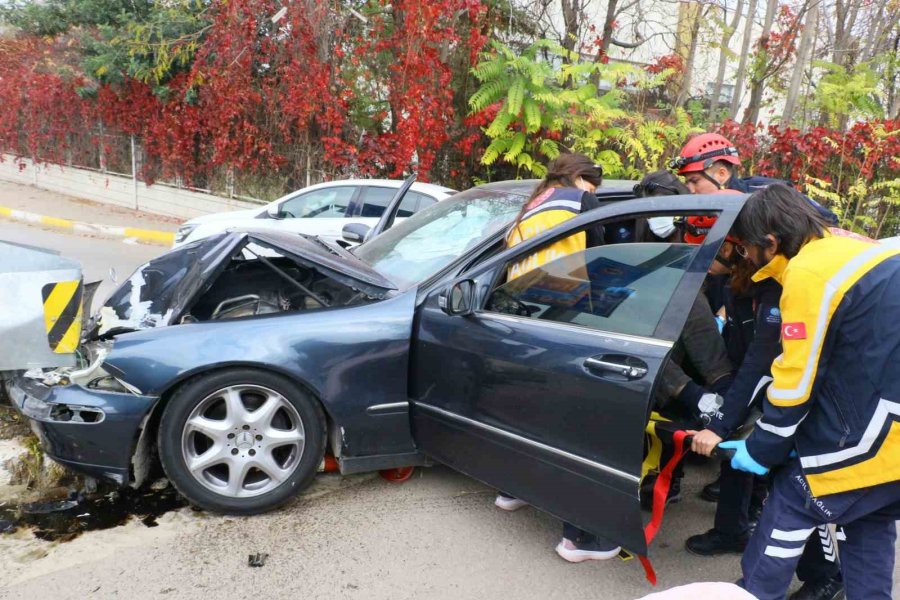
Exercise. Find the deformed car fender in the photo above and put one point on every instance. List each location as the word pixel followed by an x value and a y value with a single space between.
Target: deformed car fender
pixel 350 358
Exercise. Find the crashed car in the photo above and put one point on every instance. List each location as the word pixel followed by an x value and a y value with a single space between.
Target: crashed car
pixel 242 358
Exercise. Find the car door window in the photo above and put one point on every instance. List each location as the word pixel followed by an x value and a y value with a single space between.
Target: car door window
pixel 621 288
pixel 412 203
pixel 325 203
pixel 375 200
pixel 409 205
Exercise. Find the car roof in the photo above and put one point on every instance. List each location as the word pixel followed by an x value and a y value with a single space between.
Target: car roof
pixel 418 186
pixel 524 187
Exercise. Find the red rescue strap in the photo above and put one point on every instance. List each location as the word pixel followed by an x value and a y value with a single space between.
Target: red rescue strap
pixel 660 493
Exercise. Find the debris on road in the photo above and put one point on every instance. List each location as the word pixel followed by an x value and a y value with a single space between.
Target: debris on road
pixel 159 485
pixel 43 508
pixel 257 560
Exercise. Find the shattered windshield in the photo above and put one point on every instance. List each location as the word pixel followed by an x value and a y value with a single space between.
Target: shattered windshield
pixel 428 241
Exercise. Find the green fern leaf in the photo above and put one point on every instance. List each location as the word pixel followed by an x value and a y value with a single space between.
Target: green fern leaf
pixel 515 147
pixel 549 148
pixel 532 113
pixel 500 124
pixel 492 152
pixel 515 96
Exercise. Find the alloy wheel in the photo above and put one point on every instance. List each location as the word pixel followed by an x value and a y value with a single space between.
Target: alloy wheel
pixel 243 441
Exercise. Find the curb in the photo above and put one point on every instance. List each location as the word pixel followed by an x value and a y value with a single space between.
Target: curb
pixel 147 235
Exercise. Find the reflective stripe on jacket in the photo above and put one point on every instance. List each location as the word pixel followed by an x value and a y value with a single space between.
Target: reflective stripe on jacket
pixel 835 394
pixel 552 207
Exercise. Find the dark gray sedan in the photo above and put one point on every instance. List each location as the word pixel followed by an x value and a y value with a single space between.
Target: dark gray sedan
pixel 242 358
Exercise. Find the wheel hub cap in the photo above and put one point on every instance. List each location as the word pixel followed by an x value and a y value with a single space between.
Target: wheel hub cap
pixel 243 441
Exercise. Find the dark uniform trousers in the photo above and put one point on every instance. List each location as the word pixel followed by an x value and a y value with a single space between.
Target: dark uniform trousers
pixel 741 491
pixel 866 528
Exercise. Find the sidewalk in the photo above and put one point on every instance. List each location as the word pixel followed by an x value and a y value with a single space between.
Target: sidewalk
pixel 50 209
pixel 51 204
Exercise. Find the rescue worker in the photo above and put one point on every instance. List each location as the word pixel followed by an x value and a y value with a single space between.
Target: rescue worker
pixel 828 419
pixel 566 191
pixel 710 162
pixel 700 349
pixel 752 334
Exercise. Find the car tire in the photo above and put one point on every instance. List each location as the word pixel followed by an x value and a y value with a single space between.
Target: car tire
pixel 241 441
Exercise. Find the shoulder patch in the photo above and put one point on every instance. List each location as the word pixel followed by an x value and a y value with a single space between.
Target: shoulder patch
pixel 793 331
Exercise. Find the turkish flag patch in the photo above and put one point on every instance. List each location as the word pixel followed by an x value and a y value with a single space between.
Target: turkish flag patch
pixel 793 331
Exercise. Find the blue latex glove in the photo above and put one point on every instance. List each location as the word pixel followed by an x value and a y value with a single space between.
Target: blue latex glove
pixel 742 461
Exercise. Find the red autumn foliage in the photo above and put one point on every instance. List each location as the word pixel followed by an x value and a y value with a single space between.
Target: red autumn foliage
pixel 263 99
pixel 669 61
pixel 820 152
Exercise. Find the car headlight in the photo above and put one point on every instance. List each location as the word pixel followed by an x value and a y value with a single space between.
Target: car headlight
pixel 183 232
pixel 93 376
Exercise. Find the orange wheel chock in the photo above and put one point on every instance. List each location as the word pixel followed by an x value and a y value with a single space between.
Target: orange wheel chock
pixel 398 475
pixel 329 465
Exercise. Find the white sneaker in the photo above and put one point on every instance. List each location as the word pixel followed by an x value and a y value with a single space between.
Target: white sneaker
pixel 509 503
pixel 598 550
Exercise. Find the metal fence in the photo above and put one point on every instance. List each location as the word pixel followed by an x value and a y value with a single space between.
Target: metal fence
pixel 116 154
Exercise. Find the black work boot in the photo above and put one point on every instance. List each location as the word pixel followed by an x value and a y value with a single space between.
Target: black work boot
pixel 710 491
pixel 714 543
pixel 831 588
pixel 646 493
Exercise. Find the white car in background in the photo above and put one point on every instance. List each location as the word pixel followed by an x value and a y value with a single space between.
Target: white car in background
pixel 320 210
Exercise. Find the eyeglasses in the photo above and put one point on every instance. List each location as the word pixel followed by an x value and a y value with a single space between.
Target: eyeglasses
pixel 741 250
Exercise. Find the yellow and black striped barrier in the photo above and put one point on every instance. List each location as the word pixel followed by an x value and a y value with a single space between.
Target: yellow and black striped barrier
pixel 62 315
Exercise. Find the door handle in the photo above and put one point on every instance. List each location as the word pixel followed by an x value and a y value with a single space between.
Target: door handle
pixel 616 367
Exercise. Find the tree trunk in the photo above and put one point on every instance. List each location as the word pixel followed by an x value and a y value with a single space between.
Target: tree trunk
pixel 742 64
pixel 685 91
pixel 894 104
pixel 723 57
pixel 758 79
pixel 606 40
pixel 803 56
pixel 570 10
pixel 846 12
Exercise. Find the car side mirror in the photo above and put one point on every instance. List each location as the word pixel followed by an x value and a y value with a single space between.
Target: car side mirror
pixel 459 299
pixel 274 211
pixel 355 233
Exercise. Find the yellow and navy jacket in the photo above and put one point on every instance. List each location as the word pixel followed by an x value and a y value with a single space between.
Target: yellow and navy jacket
pixel 835 394
pixel 552 207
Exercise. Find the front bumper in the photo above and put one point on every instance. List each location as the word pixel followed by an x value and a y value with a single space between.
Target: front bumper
pixel 91 431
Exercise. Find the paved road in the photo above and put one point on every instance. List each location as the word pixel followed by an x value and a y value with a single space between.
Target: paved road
pixel 96 254
pixel 436 536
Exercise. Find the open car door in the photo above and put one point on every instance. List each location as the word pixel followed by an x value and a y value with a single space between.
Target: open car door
pixel 541 386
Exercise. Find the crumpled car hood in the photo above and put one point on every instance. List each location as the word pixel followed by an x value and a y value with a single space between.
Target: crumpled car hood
pixel 159 292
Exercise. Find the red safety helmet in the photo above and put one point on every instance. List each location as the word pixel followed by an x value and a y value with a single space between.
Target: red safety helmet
pixel 701 151
pixel 697 228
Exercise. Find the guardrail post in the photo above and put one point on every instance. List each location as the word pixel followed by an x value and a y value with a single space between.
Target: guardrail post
pixel 134 175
